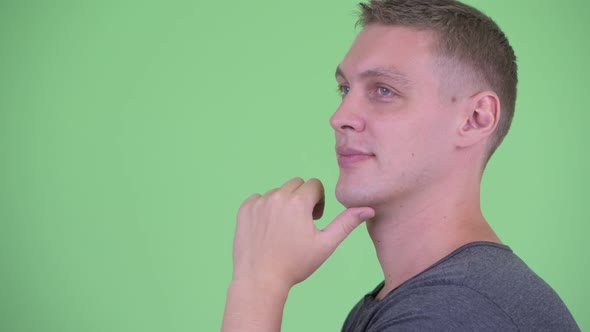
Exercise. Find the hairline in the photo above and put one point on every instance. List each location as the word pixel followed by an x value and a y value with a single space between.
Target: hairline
pixel 455 70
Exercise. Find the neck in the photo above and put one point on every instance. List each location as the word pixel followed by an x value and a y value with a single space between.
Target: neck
pixel 419 230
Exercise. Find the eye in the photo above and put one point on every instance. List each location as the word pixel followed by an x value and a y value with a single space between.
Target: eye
pixel 385 92
pixel 343 89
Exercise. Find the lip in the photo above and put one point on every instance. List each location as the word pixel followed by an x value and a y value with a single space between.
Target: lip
pixel 348 156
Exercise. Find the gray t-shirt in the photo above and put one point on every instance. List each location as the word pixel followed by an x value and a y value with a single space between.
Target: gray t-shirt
pixel 482 286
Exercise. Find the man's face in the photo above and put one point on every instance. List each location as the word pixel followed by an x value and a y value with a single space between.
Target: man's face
pixel 394 128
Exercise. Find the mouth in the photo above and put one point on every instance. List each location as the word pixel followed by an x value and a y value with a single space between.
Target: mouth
pixel 350 156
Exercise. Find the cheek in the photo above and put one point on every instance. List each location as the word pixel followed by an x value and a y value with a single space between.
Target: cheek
pixel 434 137
pixel 408 141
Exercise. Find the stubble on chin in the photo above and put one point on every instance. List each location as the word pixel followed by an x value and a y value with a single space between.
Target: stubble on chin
pixel 355 196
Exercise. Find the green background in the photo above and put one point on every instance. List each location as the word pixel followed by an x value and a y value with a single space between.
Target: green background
pixel 131 131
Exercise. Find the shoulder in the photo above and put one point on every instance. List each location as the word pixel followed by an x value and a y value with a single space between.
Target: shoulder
pixel 480 286
pixel 445 307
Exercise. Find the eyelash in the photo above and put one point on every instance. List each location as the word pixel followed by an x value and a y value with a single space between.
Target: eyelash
pixel 340 89
pixel 391 92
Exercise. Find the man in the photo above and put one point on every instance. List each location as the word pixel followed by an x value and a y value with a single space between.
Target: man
pixel 428 93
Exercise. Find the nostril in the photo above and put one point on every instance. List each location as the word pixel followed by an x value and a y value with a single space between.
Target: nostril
pixel 346 119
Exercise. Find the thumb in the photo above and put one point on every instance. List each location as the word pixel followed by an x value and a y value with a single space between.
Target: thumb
pixel 343 225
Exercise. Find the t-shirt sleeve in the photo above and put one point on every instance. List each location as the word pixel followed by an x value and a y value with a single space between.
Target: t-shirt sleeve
pixel 440 308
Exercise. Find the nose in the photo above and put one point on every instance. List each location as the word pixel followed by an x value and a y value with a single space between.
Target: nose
pixel 348 116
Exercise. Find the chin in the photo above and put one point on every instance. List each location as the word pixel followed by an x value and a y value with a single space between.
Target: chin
pixel 356 196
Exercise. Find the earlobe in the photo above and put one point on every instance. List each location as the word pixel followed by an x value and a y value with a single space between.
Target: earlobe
pixel 481 120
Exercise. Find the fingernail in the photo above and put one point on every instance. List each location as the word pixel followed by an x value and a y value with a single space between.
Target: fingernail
pixel 365 215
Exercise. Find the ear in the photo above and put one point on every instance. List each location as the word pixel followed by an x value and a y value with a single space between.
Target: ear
pixel 480 118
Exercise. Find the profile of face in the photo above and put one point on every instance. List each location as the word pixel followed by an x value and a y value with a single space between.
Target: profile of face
pixel 394 128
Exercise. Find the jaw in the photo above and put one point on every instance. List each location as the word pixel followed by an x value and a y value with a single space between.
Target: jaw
pixel 356 191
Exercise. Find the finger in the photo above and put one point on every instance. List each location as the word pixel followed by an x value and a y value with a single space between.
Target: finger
pixel 313 191
pixel 250 199
pixel 270 192
pixel 343 225
pixel 292 184
pixel 318 209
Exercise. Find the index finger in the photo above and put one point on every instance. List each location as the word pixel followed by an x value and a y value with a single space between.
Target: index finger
pixel 293 184
pixel 313 191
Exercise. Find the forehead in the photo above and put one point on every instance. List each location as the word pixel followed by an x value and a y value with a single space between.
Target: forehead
pixel 404 49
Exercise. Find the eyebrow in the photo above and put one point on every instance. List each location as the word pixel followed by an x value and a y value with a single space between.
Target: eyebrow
pixel 386 72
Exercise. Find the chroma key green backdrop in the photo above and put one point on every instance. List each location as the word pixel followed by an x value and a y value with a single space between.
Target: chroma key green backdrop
pixel 131 131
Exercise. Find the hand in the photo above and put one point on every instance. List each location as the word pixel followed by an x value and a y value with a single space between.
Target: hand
pixel 276 239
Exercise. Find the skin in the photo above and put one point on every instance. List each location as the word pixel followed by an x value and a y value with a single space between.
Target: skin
pixel 410 146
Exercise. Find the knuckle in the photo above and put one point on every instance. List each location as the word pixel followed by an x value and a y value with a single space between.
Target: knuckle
pixel 297 179
pixel 275 196
pixel 314 181
pixel 272 200
pixel 248 201
pixel 270 192
pixel 298 199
